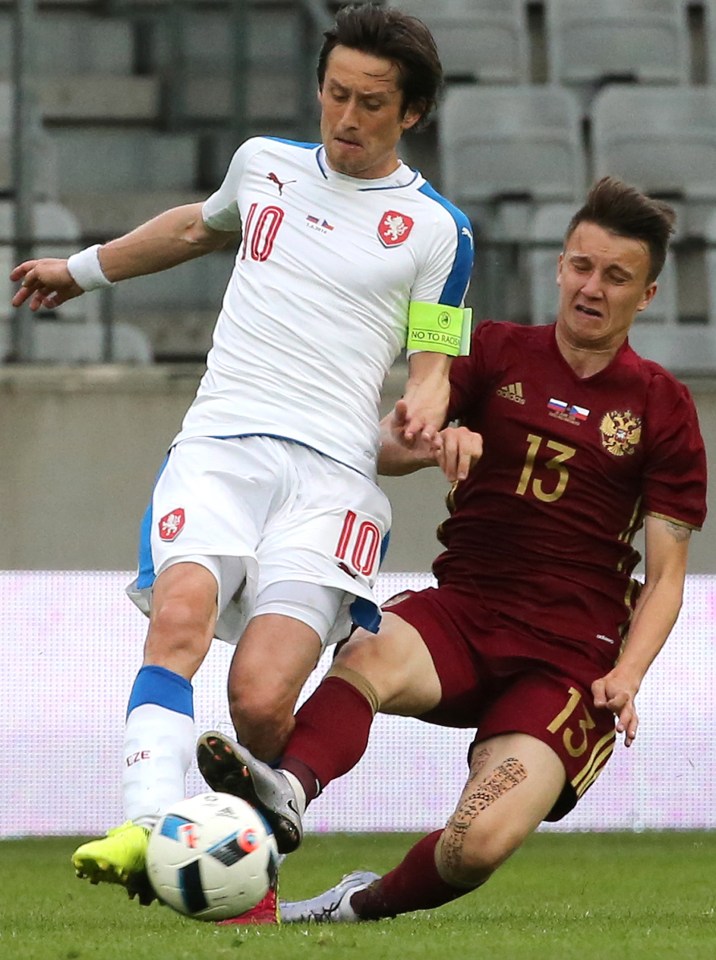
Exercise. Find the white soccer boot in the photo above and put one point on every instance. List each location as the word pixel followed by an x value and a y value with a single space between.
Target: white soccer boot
pixel 229 768
pixel 333 906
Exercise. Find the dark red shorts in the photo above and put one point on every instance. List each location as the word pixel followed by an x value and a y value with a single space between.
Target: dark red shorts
pixel 502 677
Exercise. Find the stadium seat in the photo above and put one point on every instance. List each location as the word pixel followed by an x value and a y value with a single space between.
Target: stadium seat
pixel 83 41
pixel 591 42
pixel 709 340
pixel 485 41
pixel 44 153
pixel 104 160
pixel 513 141
pixel 504 149
pixel 661 138
pixel 709 31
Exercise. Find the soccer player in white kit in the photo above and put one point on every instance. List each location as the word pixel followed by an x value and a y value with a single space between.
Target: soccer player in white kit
pixel 266 525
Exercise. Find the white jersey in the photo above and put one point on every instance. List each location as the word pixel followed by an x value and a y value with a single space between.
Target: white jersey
pixel 316 308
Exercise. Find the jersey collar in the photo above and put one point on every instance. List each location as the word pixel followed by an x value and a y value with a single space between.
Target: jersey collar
pixel 402 176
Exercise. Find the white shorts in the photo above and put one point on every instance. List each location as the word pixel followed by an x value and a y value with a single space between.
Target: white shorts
pixel 276 510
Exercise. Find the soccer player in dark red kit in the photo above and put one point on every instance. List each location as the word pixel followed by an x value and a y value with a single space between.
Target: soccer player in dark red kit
pixel 537 634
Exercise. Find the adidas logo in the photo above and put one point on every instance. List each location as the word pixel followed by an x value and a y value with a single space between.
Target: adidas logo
pixel 513 391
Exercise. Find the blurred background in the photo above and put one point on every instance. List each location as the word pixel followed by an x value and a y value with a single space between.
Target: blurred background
pixel 113 110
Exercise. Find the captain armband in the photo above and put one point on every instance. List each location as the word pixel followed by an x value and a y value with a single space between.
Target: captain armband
pixel 436 328
pixel 85 269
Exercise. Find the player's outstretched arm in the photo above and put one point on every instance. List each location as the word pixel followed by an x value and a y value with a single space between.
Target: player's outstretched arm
pixel 656 611
pixel 173 237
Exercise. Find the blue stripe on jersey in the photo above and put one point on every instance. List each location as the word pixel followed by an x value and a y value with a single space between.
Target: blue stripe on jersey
pixel 456 284
pixel 145 567
pixel 163 687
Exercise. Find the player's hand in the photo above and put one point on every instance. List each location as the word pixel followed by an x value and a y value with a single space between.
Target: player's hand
pixel 424 408
pixel 617 693
pixel 456 451
pixel 44 283
pixel 423 446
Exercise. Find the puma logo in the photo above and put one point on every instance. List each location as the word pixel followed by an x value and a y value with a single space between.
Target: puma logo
pixel 279 183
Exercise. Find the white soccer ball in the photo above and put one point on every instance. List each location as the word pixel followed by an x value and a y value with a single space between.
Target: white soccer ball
pixel 212 857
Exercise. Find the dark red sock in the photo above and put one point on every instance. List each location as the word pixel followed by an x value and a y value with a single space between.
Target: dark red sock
pixel 330 736
pixel 414 884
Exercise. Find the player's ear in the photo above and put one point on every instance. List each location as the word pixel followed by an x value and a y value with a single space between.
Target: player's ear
pixel 560 261
pixel 649 295
pixel 413 113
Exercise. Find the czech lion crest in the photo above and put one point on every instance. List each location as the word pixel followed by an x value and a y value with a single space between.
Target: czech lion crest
pixel 620 431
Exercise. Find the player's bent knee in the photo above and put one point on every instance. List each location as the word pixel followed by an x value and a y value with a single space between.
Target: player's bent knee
pixel 468 857
pixel 262 718
pixel 264 736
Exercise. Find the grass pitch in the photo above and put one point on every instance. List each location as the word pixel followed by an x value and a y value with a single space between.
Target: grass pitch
pixel 649 896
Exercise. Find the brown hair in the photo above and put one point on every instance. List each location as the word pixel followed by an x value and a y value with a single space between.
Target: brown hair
pixel 623 210
pixel 396 36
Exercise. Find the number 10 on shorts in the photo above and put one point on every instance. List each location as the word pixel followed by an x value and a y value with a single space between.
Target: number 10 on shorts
pixel 359 544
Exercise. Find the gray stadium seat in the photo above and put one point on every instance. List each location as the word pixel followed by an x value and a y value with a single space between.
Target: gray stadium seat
pixel 593 41
pixel 661 138
pixel 485 40
pixel 84 343
pixel 517 141
pixel 73 41
pixel 103 160
pixel 708 338
pixel 99 98
pixel 502 150
pixel 44 153
pixel 709 9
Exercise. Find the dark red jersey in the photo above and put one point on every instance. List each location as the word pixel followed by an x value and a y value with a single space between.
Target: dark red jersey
pixel 543 526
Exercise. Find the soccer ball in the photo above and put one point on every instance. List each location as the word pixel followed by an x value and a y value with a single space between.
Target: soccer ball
pixel 212 857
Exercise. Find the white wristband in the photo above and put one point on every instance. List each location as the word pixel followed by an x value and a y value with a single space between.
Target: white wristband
pixel 85 269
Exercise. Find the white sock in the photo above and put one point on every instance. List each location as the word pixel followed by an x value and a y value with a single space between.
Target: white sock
pixel 158 749
pixel 297 789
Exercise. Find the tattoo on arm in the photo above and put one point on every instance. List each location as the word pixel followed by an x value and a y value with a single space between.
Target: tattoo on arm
pixel 678 532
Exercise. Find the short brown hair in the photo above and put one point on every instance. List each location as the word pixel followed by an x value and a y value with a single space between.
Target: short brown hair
pixel 625 211
pixel 396 36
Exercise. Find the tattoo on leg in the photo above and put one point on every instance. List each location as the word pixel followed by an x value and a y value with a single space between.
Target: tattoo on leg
pixel 478 761
pixel 477 798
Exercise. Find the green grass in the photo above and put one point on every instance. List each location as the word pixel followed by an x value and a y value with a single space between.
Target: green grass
pixel 581 896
